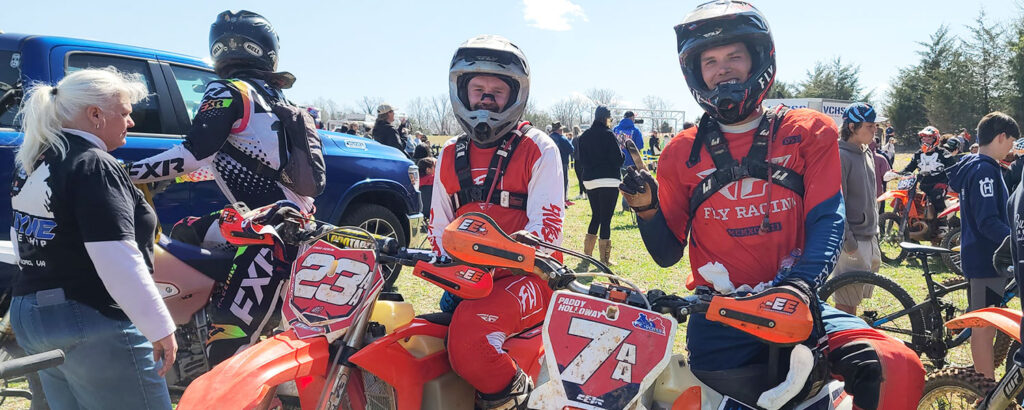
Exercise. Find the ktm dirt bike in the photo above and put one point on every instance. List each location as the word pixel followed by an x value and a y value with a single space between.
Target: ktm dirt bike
pixel 600 347
pixel 912 218
pixel 962 387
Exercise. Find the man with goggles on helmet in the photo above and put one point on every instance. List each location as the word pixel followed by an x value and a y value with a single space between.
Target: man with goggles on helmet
pixel 931 162
pixel 236 135
pixel 512 172
pixel 746 235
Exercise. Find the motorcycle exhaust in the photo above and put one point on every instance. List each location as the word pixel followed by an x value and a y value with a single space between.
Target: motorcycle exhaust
pixel 919 231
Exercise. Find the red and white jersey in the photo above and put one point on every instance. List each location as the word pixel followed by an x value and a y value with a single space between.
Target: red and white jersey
pixel 535 169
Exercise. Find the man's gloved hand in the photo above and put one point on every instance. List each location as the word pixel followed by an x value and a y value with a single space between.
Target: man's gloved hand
pixel 861 369
pixel 801 287
pixel 639 189
pixel 662 303
pixel 1002 260
pixel 449 302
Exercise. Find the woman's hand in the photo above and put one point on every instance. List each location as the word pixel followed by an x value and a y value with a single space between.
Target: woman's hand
pixel 166 349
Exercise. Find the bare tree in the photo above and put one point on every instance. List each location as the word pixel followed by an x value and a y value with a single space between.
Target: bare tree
pixel 602 96
pixel 418 110
pixel 536 116
pixel 369 104
pixel 654 102
pixel 440 113
pixel 570 111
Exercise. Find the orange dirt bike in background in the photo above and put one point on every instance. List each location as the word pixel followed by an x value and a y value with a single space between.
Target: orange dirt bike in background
pixel 962 387
pixel 912 218
pixel 600 347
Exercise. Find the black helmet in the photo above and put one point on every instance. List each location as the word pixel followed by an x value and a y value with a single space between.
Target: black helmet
pixel 242 40
pixel 719 23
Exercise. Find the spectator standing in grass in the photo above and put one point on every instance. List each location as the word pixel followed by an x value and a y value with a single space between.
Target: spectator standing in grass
pixel 860 243
pixel 601 159
pixel 984 224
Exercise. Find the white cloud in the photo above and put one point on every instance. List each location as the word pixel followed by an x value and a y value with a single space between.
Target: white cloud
pixel 555 15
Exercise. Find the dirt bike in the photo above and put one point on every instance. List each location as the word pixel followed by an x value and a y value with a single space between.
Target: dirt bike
pixel 910 220
pixel 962 387
pixel 352 346
pixel 951 239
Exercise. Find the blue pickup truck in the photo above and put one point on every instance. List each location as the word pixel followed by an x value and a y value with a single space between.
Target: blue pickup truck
pixel 368 184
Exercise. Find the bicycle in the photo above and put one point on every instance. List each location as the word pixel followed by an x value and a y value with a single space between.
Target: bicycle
pixel 919 325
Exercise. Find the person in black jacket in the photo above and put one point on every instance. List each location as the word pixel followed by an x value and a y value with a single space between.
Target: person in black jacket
pixel 576 132
pixel 600 159
pixel 385 133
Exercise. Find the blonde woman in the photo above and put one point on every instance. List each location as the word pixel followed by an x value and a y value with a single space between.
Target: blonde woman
pixel 84 240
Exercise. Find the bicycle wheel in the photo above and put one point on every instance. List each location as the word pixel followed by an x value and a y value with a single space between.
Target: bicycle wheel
pixel 890 235
pixel 952 260
pixel 886 299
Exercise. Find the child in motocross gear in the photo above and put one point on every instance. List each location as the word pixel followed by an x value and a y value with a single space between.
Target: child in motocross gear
pixel 745 234
pixel 235 118
pixel 931 162
pixel 511 172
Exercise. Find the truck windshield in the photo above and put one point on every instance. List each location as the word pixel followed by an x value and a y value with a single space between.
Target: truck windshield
pixel 10 70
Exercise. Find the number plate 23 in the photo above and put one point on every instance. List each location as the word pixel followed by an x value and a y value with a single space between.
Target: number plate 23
pixel 328 288
pixel 601 354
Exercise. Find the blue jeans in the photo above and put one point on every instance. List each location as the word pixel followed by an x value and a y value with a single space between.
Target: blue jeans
pixel 108 363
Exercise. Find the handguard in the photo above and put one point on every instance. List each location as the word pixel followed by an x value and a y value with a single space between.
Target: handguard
pixel 778 315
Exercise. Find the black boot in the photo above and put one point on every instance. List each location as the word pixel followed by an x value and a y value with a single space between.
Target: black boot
pixel 512 397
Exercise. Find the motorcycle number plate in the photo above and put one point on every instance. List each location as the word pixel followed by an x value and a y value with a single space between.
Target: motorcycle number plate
pixel 328 288
pixel 906 182
pixel 601 354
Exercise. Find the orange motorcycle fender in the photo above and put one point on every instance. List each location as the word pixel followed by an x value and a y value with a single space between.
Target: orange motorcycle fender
pixel 1003 319
pixel 243 380
pixel 391 362
pixel 900 195
pixel 689 400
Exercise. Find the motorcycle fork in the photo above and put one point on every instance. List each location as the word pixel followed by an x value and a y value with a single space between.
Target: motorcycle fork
pixel 341 368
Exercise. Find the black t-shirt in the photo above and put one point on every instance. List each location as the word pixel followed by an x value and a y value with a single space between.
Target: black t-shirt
pixel 84 197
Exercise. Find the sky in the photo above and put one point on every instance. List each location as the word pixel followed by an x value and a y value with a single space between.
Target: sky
pixel 399 50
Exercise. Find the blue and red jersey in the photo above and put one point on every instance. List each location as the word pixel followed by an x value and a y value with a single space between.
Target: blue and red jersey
pixel 726 227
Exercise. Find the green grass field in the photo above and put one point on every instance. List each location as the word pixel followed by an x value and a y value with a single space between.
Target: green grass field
pixel 634 263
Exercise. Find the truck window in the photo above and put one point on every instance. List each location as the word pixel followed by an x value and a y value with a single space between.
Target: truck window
pixel 10 70
pixel 146 113
pixel 192 84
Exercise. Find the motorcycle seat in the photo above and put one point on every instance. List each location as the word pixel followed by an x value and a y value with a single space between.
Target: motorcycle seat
pixel 214 264
pixel 923 249
pixel 437 318
pixel 744 384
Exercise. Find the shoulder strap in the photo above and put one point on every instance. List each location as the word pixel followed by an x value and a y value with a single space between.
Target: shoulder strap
pixel 469 192
pixel 755 164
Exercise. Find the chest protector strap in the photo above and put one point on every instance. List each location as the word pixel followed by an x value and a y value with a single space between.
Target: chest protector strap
pixel 488 192
pixel 728 169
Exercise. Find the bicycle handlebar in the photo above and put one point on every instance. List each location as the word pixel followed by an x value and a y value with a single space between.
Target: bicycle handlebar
pixel 30 364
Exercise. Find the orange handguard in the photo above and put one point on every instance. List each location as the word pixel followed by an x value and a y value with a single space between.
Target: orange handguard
pixel 778 315
pixel 463 281
pixel 475 239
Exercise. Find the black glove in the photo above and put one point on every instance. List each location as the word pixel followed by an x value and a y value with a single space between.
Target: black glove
pixel 1002 260
pixel 639 189
pixel 662 303
pixel 802 288
pixel 861 369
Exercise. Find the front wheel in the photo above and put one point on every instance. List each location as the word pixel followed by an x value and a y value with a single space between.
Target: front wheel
pixel 955 388
pixel 887 298
pixel 378 220
pixel 890 234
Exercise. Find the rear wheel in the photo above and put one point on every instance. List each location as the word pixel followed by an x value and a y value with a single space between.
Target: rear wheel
pixel 952 260
pixel 378 220
pixel 890 234
pixel 886 298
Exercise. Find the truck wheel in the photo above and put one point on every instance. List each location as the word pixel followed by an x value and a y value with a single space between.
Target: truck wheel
pixel 378 220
